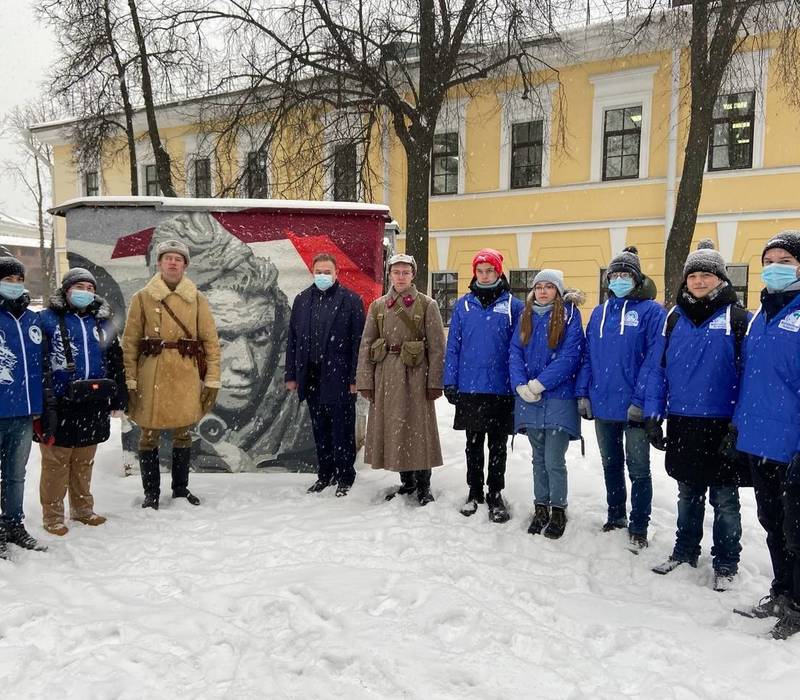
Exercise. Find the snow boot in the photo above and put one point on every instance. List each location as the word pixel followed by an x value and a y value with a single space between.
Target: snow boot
pixel 151 477
pixel 541 516
pixel 670 565
pixel 789 623
pixel 498 513
pixel 474 499
pixel 181 458
pixel 424 495
pixel 342 490
pixel 408 485
pixel 318 486
pixel 18 535
pixel 558 522
pixel 723 581
pixel 638 542
pixel 771 605
pixel 618 524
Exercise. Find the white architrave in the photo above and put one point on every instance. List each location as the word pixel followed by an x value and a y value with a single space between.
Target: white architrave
pixel 617 235
pixel 613 91
pixel 443 252
pixel 453 117
pixel 524 242
pixel 199 146
pixel 726 235
pixel 516 110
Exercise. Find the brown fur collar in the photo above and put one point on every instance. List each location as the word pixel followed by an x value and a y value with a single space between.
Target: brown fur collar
pixel 159 290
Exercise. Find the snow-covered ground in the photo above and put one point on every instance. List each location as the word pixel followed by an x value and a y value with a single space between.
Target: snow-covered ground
pixel 266 592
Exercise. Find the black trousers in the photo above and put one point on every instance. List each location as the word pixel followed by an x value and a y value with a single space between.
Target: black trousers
pixel 334 427
pixel 778 505
pixel 498 441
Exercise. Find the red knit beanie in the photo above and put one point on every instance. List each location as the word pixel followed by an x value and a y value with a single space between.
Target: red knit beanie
pixel 491 256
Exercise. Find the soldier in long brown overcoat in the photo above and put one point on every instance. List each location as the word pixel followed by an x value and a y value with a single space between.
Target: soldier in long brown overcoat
pixel 168 331
pixel 400 367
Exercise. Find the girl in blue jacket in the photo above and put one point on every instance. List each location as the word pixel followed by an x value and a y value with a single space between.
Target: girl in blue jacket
pixel 476 377
pixel 546 351
pixel 696 385
pixel 622 340
pixel 767 418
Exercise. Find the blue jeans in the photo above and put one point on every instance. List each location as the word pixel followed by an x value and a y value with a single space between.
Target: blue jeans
pixel 549 467
pixel 15 447
pixel 727 525
pixel 637 455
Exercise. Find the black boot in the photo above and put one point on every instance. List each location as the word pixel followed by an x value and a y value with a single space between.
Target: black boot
pixel 771 605
pixel 18 535
pixel 181 457
pixel 498 513
pixel 151 477
pixel 558 521
pixel 474 499
pixel 424 495
pixel 408 485
pixel 789 623
pixel 3 545
pixel 541 516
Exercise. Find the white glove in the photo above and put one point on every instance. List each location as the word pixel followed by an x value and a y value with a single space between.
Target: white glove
pixel 536 386
pixel 526 394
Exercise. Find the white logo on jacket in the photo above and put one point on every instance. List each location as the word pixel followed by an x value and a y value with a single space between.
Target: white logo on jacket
pixel 501 308
pixel 791 322
pixel 632 318
pixel 35 334
pixel 8 360
pixel 719 323
pixel 58 360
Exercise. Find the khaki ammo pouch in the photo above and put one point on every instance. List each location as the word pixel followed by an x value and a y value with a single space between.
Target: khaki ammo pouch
pixel 412 352
pixel 150 346
pixel 378 350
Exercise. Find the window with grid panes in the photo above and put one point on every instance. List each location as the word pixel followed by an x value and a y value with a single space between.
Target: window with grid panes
pixel 91 183
pixel 521 282
pixel 344 173
pixel 526 154
pixel 738 274
pixel 151 186
pixel 731 143
pixel 444 165
pixel 202 177
pixel 622 131
pixel 444 289
pixel 256 176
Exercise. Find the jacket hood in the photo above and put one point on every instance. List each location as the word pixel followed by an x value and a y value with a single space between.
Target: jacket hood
pixel 99 308
pixel 575 296
pixel 158 289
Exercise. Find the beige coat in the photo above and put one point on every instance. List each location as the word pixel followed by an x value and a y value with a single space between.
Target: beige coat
pixel 401 429
pixel 168 385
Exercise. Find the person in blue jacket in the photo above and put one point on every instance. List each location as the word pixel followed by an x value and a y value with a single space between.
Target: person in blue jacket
pixel 476 378
pixel 321 358
pixel 621 346
pixel 85 384
pixel 545 356
pixel 695 386
pixel 21 396
pixel 767 419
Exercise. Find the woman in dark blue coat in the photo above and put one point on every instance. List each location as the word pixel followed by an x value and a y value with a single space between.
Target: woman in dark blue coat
pixel 546 352
pixel 767 418
pixel 476 377
pixel 696 386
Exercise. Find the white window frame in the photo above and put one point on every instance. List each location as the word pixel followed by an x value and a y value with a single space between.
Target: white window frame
pixel 82 181
pixel 335 134
pixel 144 157
pixel 247 143
pixel 197 146
pixel 617 90
pixel 453 118
pixel 748 72
pixel 516 111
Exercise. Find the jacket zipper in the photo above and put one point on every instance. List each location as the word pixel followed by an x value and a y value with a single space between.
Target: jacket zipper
pixel 24 362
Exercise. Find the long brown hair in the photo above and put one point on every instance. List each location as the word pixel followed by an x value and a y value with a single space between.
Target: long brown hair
pixel 555 331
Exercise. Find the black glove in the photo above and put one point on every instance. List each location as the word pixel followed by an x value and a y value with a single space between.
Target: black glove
pixel 451 394
pixel 655 433
pixel 727 447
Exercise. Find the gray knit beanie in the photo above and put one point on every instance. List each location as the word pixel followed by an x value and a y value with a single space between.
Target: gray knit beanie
pixel 554 277
pixel 627 261
pixel 705 259
pixel 75 275
pixel 172 246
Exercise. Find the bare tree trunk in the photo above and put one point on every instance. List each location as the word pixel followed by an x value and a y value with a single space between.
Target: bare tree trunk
pixel 126 100
pixel 163 164
pixel 47 274
pixel 417 234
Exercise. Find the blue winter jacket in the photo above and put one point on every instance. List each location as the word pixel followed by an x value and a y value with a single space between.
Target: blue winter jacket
pixel 88 346
pixel 622 341
pixel 21 383
pixel 477 344
pixel 701 377
pixel 767 414
pixel 555 369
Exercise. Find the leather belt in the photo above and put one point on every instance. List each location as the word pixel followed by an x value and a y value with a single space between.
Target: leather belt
pixel 395 349
pixel 169 345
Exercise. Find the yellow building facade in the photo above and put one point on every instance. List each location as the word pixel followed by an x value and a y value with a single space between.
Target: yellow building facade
pixel 566 180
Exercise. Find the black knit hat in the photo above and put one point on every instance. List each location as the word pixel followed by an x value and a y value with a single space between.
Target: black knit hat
pixel 75 275
pixel 627 261
pixel 11 266
pixel 705 259
pixel 789 240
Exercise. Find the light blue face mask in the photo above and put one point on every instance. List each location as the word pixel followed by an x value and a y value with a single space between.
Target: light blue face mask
pixel 778 276
pixel 323 282
pixel 80 298
pixel 11 290
pixel 621 287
